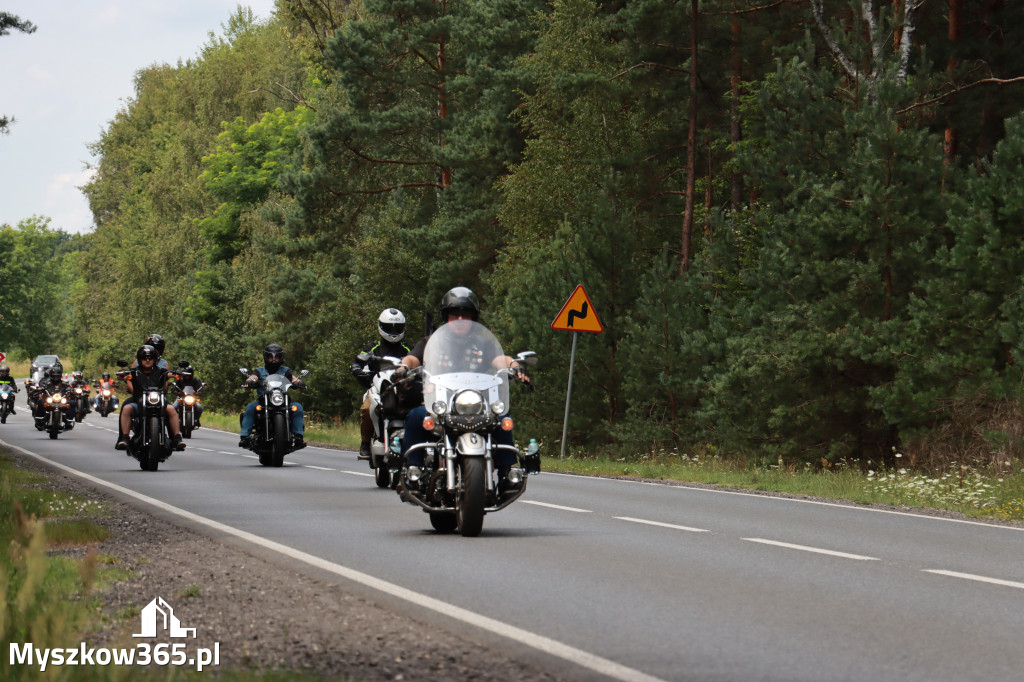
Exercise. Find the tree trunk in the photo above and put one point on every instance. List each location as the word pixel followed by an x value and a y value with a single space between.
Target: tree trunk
pixel 691 146
pixel 955 25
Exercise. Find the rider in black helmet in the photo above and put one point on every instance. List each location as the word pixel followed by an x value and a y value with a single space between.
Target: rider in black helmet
pixel 458 305
pixel 146 375
pixel 273 363
pixel 6 378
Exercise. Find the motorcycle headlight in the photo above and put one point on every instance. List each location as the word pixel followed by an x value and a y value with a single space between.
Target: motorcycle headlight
pixel 277 399
pixel 469 403
pixel 106 393
pixel 153 398
pixel 78 391
pixel 439 408
pixel 63 400
pixel 190 400
pixel 498 408
pixel 49 399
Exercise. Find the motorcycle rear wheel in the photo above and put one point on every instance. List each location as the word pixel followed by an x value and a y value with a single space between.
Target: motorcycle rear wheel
pixel 469 508
pixel 443 522
pixel 382 475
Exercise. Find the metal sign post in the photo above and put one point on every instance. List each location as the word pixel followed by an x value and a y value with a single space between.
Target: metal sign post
pixel 577 315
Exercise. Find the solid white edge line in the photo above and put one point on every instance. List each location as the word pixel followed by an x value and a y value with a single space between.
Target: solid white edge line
pixel 663 525
pixel 816 550
pixel 582 658
pixel 557 506
pixel 977 578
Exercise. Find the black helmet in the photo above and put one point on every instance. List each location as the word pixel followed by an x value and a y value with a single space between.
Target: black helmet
pixel 147 351
pixel 5 371
pixel 460 298
pixel 272 350
pixel 106 375
pixel 55 371
pixel 157 342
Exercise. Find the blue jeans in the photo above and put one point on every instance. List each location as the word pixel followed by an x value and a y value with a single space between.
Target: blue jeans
pixel 295 420
pixel 416 434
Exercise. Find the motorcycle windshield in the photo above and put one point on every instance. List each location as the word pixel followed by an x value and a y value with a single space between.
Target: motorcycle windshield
pixel 463 355
pixel 277 381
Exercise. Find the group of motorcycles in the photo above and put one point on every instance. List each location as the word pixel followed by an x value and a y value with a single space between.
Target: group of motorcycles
pixel 466 406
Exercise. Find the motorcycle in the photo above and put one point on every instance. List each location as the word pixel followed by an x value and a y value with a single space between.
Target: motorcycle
pixel 189 404
pixel 273 437
pixel 388 408
pixel 150 442
pixel 80 399
pixel 52 415
pixel 6 401
pixel 467 401
pixel 106 399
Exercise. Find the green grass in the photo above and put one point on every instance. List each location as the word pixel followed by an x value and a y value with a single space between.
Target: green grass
pixel 343 434
pixel 974 492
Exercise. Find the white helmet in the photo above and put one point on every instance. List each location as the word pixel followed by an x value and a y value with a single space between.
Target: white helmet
pixel 391 325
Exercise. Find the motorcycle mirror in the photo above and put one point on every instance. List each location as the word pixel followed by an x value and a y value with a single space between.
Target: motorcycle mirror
pixel 244 371
pixel 183 363
pixel 527 357
pixel 122 363
pixel 303 373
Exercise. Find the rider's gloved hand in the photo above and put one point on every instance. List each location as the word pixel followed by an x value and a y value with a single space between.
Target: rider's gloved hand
pixel 400 373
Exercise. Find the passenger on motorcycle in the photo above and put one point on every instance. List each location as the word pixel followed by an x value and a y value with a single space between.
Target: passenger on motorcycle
pixel 146 375
pixel 273 357
pixel 157 342
pixel 458 305
pixel 104 383
pixel 391 327
pixel 6 378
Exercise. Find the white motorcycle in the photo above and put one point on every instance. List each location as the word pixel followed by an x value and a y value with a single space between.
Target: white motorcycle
pixel 467 402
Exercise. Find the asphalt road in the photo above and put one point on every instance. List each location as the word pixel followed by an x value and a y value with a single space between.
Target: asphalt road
pixel 614 579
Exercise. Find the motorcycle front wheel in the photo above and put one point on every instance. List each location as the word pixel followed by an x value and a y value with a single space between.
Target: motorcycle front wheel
pixel 186 424
pixel 280 438
pixel 150 460
pixel 469 511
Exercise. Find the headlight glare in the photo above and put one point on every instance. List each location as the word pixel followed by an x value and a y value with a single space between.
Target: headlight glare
pixel 469 403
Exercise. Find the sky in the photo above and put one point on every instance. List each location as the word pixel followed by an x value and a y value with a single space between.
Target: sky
pixel 64 84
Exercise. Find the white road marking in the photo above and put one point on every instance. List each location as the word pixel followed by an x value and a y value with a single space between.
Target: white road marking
pixel 354 473
pixel 557 506
pixel 601 666
pixel 310 466
pixel 816 550
pixel 663 525
pixel 978 578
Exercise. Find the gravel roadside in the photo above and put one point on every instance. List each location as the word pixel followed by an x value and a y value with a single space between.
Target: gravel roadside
pixel 263 615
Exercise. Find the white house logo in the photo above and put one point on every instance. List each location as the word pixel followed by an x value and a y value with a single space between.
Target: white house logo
pixel 159 614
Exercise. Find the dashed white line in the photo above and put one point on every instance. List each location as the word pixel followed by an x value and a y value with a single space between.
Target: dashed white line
pixel 354 473
pixel 310 466
pixel 663 525
pixel 557 506
pixel 816 550
pixel 978 578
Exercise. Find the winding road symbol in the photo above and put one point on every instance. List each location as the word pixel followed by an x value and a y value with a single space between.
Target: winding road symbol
pixel 578 314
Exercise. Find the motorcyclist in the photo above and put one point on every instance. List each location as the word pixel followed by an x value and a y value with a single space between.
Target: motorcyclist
pixel 105 382
pixel 78 381
pixel 273 359
pixel 6 378
pixel 52 381
pixel 391 327
pixel 146 375
pixel 183 378
pixel 459 305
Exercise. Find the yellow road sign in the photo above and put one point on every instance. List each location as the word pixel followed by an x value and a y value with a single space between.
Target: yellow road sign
pixel 578 314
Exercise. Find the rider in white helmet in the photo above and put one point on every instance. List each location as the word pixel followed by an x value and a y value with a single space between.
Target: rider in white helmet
pixel 391 327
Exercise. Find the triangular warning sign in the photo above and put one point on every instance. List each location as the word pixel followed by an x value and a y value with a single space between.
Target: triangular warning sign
pixel 578 314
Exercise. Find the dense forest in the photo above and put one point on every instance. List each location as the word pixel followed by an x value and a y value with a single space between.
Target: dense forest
pixel 800 221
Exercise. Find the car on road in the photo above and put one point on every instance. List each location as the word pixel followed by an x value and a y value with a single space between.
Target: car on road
pixel 39 366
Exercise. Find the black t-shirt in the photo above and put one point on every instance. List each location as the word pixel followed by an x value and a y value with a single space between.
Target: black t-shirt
pixel 142 381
